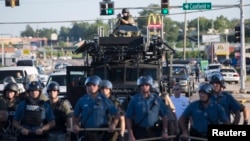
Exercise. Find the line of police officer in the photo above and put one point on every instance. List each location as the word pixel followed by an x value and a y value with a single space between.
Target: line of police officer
pixel 35 119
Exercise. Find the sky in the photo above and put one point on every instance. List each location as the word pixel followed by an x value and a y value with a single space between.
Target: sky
pixel 33 12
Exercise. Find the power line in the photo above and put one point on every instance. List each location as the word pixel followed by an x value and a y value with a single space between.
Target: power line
pixel 71 21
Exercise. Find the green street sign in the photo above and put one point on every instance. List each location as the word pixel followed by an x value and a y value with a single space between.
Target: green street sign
pixel 197 6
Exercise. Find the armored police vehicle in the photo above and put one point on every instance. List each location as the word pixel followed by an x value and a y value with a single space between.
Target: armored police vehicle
pixel 120 59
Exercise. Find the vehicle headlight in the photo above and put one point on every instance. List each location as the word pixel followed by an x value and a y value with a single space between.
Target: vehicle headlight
pixel 183 82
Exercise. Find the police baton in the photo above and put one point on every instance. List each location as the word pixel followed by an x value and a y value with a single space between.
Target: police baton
pixel 198 138
pixel 155 138
pixel 94 129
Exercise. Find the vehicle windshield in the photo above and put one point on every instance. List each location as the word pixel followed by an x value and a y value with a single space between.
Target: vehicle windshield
pixel 177 70
pixel 16 74
pixel 213 67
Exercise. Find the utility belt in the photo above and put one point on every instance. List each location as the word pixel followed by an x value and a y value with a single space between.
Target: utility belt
pixel 196 133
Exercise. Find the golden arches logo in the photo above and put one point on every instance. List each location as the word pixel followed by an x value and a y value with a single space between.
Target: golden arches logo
pixel 154 19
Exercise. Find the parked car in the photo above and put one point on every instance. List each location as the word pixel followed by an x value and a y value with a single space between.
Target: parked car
pixel 230 75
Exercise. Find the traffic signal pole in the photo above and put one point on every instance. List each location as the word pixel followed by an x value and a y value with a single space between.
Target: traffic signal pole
pixel 242 47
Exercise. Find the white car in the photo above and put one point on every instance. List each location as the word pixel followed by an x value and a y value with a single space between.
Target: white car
pixel 230 75
pixel 60 78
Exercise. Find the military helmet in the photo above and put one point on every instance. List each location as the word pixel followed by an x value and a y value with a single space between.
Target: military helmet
pixel 125 10
pixel 145 80
pixel 93 80
pixel 11 87
pixel 53 86
pixel 106 84
pixel 217 78
pixel 35 85
pixel 206 88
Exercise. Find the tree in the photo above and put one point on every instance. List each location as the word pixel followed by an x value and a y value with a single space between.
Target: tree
pixel 29 32
pixel 221 23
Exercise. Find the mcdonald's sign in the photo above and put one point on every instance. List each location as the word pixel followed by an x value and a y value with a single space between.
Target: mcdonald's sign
pixel 154 21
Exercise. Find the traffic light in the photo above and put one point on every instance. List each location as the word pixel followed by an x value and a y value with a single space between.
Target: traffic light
pixel 11 3
pixel 164 7
pixel 237 34
pixel 110 8
pixel 107 8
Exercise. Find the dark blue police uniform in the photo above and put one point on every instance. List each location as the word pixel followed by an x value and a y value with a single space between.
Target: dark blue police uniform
pixel 145 112
pixel 227 101
pixel 202 117
pixel 94 113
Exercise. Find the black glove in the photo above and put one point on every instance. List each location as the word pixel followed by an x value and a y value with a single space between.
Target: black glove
pixel 245 122
pixel 121 138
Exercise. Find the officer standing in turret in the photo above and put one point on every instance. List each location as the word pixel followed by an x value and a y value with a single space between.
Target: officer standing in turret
pixel 33 117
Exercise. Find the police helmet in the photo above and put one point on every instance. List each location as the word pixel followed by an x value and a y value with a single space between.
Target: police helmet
pixel 125 10
pixel 35 85
pixel 11 87
pixel 206 88
pixel 217 78
pixel 145 80
pixel 53 86
pixel 106 84
pixel 93 80
pixel 155 87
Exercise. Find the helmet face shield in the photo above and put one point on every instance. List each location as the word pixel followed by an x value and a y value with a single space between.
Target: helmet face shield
pixel 34 86
pixel 93 80
pixel 206 88
pixel 145 80
pixel 218 78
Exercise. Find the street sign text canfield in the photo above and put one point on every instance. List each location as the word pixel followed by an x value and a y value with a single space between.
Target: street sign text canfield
pixel 197 6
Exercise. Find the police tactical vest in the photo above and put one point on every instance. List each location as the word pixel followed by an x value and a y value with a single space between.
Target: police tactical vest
pixel 34 114
pixel 60 116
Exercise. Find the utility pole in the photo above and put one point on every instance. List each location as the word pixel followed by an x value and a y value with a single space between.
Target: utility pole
pixel 185 35
pixel 242 47
pixel 198 34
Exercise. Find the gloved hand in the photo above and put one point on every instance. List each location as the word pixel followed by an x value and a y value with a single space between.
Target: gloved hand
pixel 245 122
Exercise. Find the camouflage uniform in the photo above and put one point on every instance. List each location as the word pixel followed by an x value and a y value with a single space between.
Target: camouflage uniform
pixel 62 110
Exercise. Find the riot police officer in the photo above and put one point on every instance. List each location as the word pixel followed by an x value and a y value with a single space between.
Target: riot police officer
pixel 106 89
pixel 144 110
pixel 226 100
pixel 33 117
pixel 92 110
pixel 202 112
pixel 9 101
pixel 63 114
